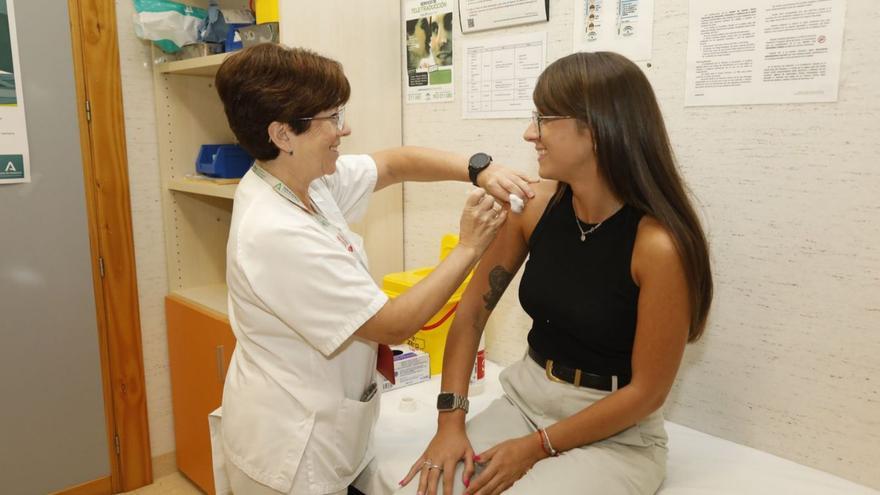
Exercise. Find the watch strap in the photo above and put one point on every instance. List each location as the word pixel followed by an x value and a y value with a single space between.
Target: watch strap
pixel 457 402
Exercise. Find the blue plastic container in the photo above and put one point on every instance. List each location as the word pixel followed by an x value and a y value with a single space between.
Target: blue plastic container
pixel 233 38
pixel 227 161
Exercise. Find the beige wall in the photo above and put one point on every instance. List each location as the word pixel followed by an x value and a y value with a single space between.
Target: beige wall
pixel 791 361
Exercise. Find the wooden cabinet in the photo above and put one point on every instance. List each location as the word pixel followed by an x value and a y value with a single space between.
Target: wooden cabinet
pixel 200 345
pixel 197 213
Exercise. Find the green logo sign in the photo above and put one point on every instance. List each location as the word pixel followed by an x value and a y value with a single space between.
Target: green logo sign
pixel 11 167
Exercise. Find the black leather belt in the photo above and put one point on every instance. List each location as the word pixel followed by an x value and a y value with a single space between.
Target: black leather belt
pixel 559 373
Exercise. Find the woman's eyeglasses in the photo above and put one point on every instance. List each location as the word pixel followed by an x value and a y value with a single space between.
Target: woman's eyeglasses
pixel 338 118
pixel 537 118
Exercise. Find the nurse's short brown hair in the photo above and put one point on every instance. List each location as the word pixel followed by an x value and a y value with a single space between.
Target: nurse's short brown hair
pixel 272 83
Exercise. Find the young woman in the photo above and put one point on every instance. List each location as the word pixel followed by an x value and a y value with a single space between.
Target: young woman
pixel 617 282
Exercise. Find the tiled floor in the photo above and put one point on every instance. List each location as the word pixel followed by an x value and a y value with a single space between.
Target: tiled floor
pixel 172 484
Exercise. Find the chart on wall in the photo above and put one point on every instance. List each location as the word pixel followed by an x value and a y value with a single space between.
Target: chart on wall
pixel 429 51
pixel 14 163
pixel 622 26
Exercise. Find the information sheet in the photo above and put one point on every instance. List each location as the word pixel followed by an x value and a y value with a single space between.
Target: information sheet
pixel 500 76
pixel 479 15
pixel 622 26
pixel 763 51
pixel 429 27
pixel 14 160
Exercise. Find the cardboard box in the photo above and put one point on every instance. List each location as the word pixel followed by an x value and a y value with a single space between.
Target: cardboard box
pixel 411 366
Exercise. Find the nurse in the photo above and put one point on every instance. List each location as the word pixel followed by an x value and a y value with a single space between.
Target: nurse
pixel 299 401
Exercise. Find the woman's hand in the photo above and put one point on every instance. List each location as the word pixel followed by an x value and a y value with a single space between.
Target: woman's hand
pixel 501 182
pixel 504 464
pixel 448 446
pixel 480 220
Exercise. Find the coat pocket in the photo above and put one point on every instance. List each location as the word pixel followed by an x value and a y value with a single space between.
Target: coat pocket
pixel 354 432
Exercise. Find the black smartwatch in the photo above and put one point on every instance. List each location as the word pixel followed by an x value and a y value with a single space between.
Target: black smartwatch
pixel 448 401
pixel 477 163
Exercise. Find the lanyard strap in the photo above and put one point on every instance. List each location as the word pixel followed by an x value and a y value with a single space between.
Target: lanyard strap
pixel 318 216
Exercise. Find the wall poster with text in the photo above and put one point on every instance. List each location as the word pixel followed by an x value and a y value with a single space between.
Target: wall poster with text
pixel 14 160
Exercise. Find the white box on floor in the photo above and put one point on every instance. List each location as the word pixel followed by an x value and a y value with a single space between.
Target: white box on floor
pixel 411 366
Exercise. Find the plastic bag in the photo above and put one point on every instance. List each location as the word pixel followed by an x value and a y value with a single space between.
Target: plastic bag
pixel 170 25
pixel 216 25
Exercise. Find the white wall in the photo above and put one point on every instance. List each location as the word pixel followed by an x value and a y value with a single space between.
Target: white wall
pixel 790 362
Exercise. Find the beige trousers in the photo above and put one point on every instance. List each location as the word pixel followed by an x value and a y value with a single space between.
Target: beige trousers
pixel 633 462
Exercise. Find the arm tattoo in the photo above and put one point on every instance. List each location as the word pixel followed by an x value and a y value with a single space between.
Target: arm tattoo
pixel 499 278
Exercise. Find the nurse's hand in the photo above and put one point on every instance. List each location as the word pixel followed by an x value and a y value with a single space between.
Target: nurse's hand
pixel 480 220
pixel 501 182
pixel 447 448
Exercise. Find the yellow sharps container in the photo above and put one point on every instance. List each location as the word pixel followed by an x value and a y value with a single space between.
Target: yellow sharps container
pixel 431 338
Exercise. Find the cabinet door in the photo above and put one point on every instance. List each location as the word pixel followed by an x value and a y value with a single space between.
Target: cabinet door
pixel 200 344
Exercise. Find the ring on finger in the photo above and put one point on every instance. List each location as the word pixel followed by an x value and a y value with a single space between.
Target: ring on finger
pixel 435 466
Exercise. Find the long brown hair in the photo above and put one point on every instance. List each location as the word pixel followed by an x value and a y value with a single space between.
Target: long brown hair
pixel 612 97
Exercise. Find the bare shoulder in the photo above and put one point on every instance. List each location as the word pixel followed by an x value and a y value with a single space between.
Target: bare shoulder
pixel 655 251
pixel 535 207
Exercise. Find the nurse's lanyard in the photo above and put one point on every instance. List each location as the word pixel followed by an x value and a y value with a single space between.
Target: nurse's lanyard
pixel 318 216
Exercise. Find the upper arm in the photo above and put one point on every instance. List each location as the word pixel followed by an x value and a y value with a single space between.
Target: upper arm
pixel 663 310
pixel 385 168
pixel 504 257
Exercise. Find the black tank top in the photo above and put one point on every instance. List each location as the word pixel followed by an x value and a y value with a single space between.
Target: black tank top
pixel 581 295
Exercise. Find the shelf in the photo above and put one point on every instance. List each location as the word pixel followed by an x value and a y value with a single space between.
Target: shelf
pixel 212 297
pixel 199 66
pixel 203 187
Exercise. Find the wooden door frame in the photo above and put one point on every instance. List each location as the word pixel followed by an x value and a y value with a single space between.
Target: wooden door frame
pixel 105 172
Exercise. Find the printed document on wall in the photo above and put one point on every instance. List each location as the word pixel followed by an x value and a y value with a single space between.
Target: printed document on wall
pixel 14 160
pixel 622 26
pixel 763 51
pixel 479 15
pixel 500 76
pixel 428 48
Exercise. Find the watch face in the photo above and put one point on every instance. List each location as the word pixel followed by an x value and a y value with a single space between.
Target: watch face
pixel 480 160
pixel 445 401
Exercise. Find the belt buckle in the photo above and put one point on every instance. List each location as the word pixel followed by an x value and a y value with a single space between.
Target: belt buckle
pixel 548 368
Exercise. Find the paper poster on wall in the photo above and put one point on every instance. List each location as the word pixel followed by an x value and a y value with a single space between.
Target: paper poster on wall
pixel 429 27
pixel 479 15
pixel 622 26
pixel 763 51
pixel 500 76
pixel 14 160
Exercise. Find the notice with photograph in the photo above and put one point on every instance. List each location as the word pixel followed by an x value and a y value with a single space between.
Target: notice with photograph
pixel 759 51
pixel 500 76
pixel 429 27
pixel 622 26
pixel 479 15
pixel 14 160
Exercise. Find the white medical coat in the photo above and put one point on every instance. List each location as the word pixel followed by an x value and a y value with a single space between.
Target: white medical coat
pixel 292 415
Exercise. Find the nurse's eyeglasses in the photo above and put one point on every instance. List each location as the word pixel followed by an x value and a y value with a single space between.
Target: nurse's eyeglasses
pixel 537 118
pixel 338 118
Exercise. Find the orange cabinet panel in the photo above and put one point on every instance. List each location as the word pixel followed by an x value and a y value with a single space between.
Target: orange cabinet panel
pixel 200 345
